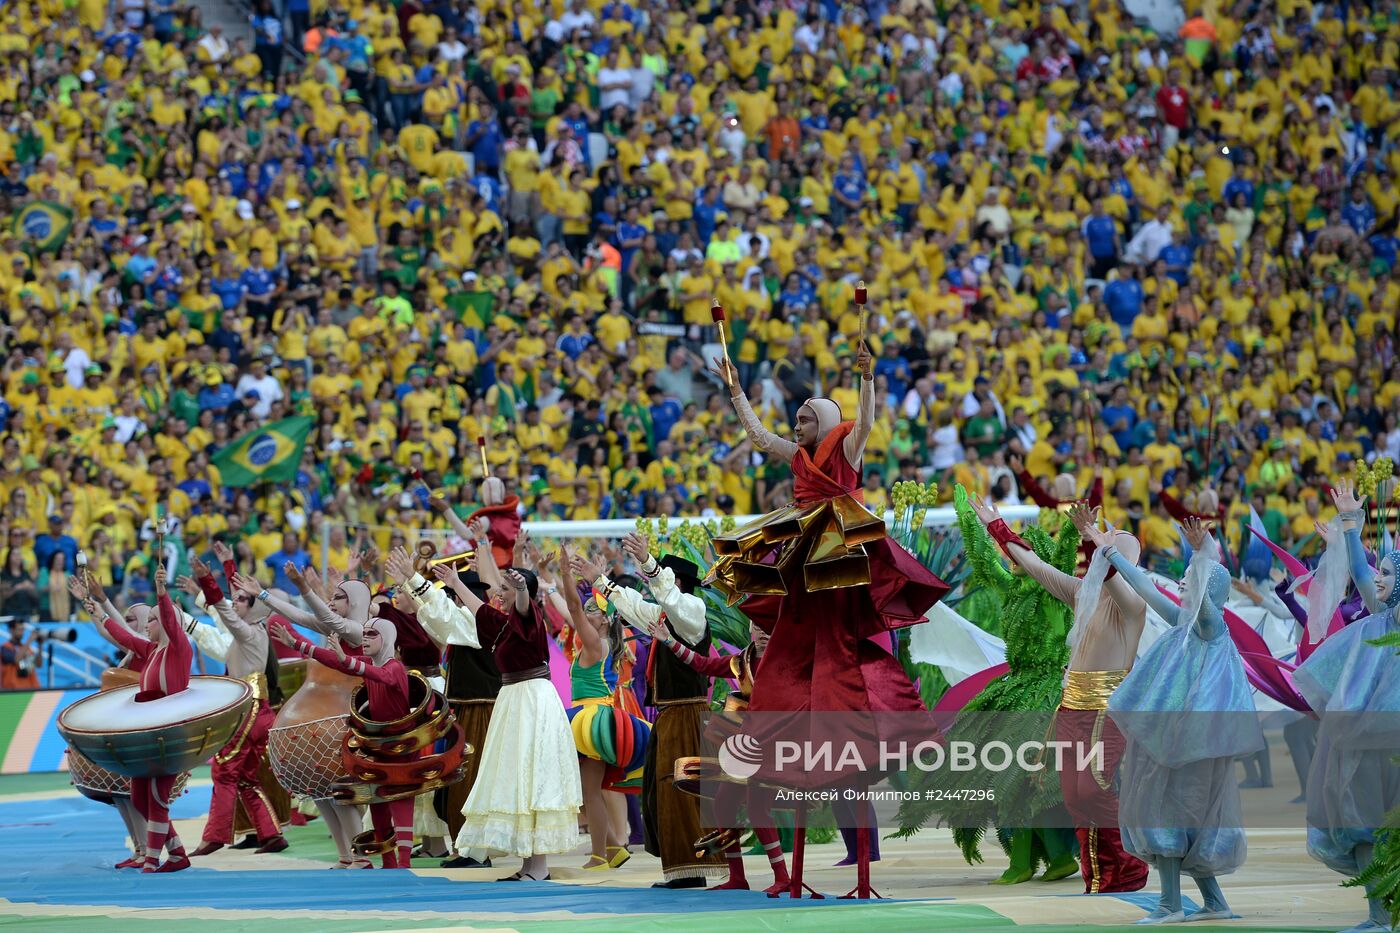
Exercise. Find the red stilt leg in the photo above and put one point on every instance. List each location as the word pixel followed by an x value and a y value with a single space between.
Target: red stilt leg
pixel 863 889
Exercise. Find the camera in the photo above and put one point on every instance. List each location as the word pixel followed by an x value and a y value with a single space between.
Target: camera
pixel 60 633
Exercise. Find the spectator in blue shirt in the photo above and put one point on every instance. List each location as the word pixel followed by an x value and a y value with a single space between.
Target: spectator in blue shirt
pixel 217 395
pixel 1119 417
pixel 1237 185
pixel 630 235
pixel 291 553
pixel 665 412
pixel 705 213
pixel 848 190
pixel 53 542
pixel 1123 296
pixel 1358 214
pixel 895 369
pixel 267 39
pixel 1101 234
pixel 1178 256
pixel 485 141
pixel 260 283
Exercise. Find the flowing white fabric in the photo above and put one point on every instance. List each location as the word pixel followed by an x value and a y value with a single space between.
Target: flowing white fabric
pixel 954 645
pixel 1086 601
pixel 528 791
pixel 1329 584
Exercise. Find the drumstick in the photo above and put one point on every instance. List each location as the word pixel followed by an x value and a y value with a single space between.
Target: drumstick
pixel 717 314
pixel 481 446
pixel 860 304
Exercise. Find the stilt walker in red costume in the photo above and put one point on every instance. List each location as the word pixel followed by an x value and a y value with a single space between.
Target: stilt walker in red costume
pixel 826 577
pixel 235 767
pixel 501 514
pixel 166 655
pixel 1108 620
pixel 386 691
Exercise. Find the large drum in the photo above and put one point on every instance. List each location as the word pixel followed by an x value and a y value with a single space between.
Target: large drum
pixel 304 744
pixel 158 737
pixel 102 785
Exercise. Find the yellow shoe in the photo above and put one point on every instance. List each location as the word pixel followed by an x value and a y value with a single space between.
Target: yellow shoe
pixel 618 856
pixel 596 863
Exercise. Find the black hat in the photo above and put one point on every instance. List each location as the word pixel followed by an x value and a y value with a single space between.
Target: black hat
pixel 687 574
pixel 473 581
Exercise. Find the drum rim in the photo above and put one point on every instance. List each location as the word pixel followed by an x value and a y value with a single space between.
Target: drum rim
pixel 66 729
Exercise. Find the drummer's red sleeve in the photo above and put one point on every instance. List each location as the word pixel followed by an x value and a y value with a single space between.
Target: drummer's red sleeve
pixel 1036 492
pixel 709 665
pixel 129 640
pixel 178 653
pixel 210 587
pixel 1096 493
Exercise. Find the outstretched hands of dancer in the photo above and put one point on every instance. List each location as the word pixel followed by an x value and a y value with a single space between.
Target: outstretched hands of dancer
pixel 284 634
pixel 160 581
pixel 517 583
pixel 77 588
pixel 1324 531
pixel 246 585
pixel 1345 499
pixel 635 546
pixel 399 565
pixel 986 512
pixel 585 568
pixel 1087 523
pixel 724 369
pixel 1196 532
pixel 222 552
pixel 186 584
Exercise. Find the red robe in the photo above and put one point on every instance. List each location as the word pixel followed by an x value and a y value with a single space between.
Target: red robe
pixel 820 656
pixel 504 529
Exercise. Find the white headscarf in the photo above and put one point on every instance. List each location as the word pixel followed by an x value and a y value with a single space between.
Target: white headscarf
pixel 827 413
pixel 357 595
pixel 388 640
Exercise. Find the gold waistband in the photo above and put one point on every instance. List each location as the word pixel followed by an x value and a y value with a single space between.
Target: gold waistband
pixel 1090 689
pixel 258 680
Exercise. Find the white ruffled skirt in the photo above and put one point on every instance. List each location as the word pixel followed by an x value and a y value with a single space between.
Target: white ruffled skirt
pixel 528 792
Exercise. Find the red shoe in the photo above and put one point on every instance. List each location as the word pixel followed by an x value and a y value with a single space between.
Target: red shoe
pixel 174 863
pixel 297 818
pixel 207 847
pixel 275 844
pixel 135 861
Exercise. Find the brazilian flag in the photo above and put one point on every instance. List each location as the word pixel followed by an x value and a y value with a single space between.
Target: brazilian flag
pixel 43 225
pixel 270 454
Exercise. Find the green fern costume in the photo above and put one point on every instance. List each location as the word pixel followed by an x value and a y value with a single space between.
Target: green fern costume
pixel 1034 625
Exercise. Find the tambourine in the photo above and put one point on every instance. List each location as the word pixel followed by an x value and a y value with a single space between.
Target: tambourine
pixel 159 737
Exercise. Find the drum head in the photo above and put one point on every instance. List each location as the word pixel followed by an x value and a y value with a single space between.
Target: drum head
pixel 116 711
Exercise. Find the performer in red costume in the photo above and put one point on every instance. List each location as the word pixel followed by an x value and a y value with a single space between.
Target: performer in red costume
pixel 1108 621
pixel 166 656
pixel 824 580
pixel 1206 507
pixel 386 690
pixel 501 514
pixel 235 767
pixel 820 634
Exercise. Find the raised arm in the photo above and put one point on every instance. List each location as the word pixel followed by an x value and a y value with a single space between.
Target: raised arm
pixel 854 444
pixel 486 567
pixel 179 653
pixel 1058 584
pixel 593 645
pixel 116 632
pixel 982 555
pixel 219 605
pixel 1353 515
pixel 761 438
pixel 100 610
pixel 283 607
pixel 443 620
pixel 334 659
pixel 683 612
pixel 708 664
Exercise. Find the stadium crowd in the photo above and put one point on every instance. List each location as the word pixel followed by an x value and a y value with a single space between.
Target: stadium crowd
pixel 1089 247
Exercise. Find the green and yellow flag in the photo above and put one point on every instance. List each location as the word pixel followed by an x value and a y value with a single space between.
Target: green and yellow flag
pixel 43 225
pixel 270 454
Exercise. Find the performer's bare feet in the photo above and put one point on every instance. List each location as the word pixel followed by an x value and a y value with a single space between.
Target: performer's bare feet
pixel 595 863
